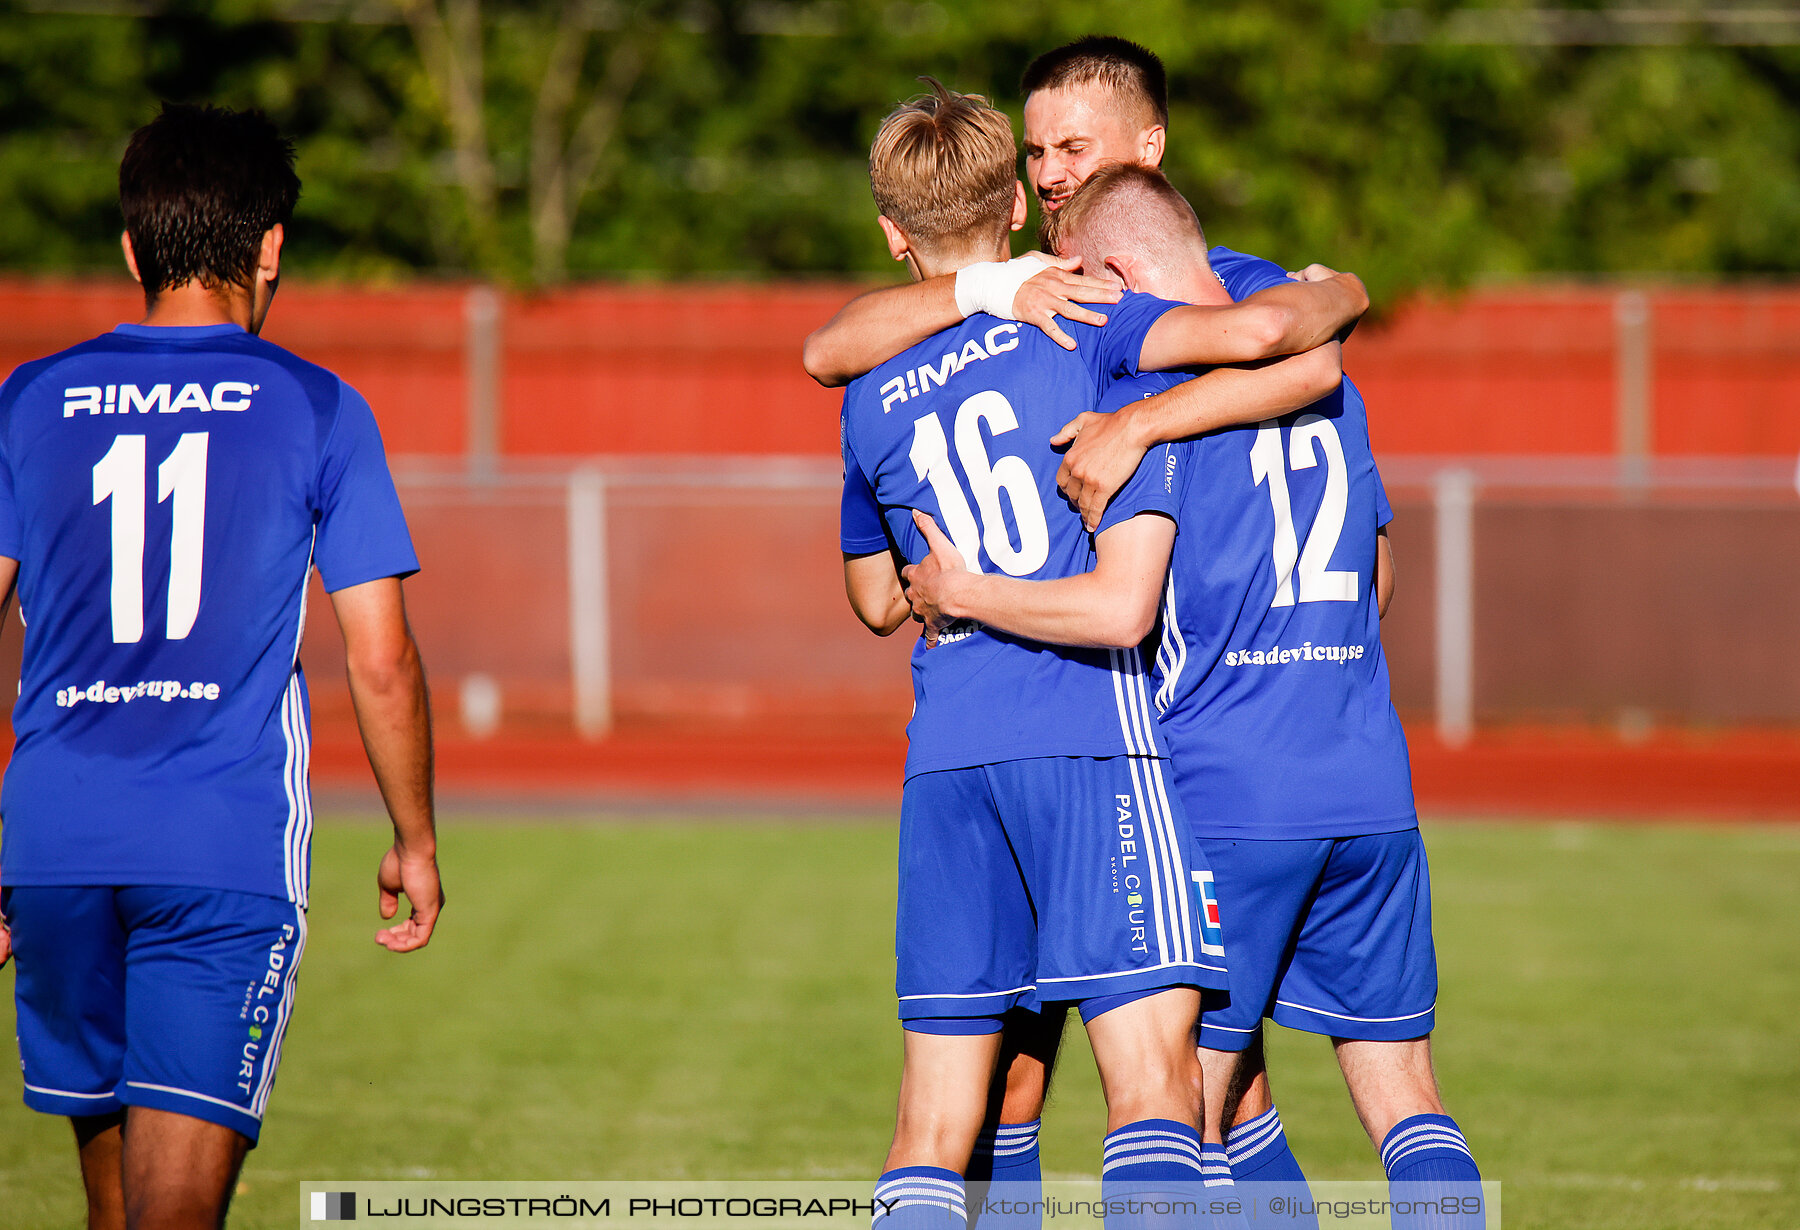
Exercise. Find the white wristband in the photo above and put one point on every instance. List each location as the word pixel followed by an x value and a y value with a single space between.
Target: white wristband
pixel 989 286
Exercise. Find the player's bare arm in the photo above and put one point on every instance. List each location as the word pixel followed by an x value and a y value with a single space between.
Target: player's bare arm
pixel 1114 606
pixel 1384 571
pixel 1287 319
pixel 873 588
pixel 1104 449
pixel 874 327
pixel 387 687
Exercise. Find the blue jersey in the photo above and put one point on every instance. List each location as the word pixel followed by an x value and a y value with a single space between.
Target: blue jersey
pixel 1271 681
pixel 166 492
pixel 959 426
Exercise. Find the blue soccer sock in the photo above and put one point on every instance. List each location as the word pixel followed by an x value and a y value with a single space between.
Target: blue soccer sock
pixel 1006 1157
pixel 1215 1166
pixel 1432 1175
pixel 919 1198
pixel 1007 1153
pixel 1259 1154
pixel 1162 1159
pixel 1152 1150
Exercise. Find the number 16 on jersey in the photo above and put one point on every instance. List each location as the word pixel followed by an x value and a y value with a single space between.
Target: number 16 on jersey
pixel 931 462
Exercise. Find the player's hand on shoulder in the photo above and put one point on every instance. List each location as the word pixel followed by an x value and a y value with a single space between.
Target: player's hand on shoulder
pixel 1314 272
pixel 1102 457
pixel 414 875
pixel 1349 284
pixel 1059 291
pixel 929 582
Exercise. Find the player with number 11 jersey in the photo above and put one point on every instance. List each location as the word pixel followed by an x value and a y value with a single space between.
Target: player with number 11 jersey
pixel 167 491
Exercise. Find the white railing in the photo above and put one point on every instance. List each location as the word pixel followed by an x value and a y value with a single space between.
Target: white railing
pixel 713 584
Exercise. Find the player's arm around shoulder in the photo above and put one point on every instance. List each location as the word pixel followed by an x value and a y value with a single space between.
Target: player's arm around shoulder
pixel 879 324
pixel 393 710
pixel 1112 607
pixel 1319 305
pixel 1106 449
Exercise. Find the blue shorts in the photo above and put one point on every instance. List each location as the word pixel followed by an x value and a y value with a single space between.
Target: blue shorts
pixel 1034 881
pixel 1331 936
pixel 172 998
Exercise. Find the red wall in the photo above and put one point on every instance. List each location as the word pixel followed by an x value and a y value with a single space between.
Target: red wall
pixel 715 369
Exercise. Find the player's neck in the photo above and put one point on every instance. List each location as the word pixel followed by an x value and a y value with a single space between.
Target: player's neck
pixel 1196 283
pixel 192 303
pixel 929 265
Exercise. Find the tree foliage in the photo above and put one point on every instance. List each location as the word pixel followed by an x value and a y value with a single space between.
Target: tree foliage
pixel 531 142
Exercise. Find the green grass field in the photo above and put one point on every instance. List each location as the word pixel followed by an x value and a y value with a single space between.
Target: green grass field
pixel 1619 1028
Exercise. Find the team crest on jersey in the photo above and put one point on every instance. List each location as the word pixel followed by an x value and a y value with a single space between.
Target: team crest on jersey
pixel 1212 935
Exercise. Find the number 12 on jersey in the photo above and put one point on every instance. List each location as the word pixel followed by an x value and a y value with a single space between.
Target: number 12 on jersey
pixel 119 476
pixel 1311 434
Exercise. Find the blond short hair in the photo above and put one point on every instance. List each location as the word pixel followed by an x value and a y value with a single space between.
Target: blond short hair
pixel 944 167
pixel 1123 208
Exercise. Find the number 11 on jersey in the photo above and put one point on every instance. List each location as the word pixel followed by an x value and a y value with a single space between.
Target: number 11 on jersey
pixel 119 477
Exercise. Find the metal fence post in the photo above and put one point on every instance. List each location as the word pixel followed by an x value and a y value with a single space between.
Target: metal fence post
pixel 482 358
pixel 1634 408
pixel 590 615
pixel 1455 501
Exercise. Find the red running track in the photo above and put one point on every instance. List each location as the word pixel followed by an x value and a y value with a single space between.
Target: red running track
pixel 1739 775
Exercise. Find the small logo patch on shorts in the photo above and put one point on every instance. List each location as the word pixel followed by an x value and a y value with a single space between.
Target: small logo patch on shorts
pixel 1212 936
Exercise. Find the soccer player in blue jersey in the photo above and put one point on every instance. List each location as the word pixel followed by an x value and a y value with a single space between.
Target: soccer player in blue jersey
pixel 165 491
pixel 1273 693
pixel 1040 858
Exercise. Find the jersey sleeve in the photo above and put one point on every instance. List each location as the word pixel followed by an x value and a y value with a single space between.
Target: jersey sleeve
pixel 860 527
pixel 1242 275
pixel 1152 488
pixel 11 533
pixel 1384 512
pixel 362 534
pixel 1113 349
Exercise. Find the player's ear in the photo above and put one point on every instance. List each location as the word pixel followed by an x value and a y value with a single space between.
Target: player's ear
pixel 898 244
pixel 1020 210
pixel 1151 145
pixel 267 276
pixel 268 261
pixel 1124 268
pixel 130 257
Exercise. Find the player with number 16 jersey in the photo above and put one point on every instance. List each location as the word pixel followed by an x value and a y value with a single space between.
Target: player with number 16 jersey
pixel 960 426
